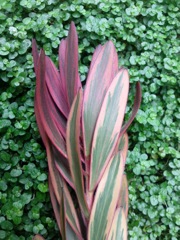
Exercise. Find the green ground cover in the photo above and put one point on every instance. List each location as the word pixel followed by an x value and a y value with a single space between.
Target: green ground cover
pixel 146 35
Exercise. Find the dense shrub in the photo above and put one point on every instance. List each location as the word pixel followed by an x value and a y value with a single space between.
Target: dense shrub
pixel 146 35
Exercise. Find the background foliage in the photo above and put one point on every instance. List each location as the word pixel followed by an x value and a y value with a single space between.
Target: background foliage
pixel 146 35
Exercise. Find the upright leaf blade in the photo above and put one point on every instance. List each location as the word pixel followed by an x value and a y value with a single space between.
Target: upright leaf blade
pixel 73 151
pixel 123 195
pixel 70 234
pixel 55 204
pixel 35 54
pixel 122 145
pixel 68 61
pixel 63 216
pixel 105 201
pixel 54 85
pixel 108 126
pixel 42 101
pixel 119 226
pixel 71 214
pixel 101 73
pixel 137 103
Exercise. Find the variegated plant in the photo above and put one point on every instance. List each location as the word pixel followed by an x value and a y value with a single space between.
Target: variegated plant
pixel 85 140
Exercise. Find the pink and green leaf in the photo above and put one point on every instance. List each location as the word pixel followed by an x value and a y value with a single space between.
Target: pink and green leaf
pixel 122 145
pixel 55 89
pixel 119 226
pixel 61 164
pixel 71 214
pixel 73 151
pixel 68 63
pixel 101 73
pixel 63 216
pixel 123 195
pixel 58 183
pixel 46 110
pixel 137 103
pixel 70 234
pixel 105 200
pixel 35 54
pixel 55 204
pixel 108 126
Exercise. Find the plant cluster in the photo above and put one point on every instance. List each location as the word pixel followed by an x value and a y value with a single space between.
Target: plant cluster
pixel 85 141
pixel 145 34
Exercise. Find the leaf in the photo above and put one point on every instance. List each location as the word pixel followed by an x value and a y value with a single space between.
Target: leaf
pixel 35 54
pixel 122 145
pixel 123 195
pixel 46 111
pixel 137 103
pixel 71 214
pixel 103 68
pixel 70 233
pixel 55 88
pixel 63 216
pixel 55 204
pixel 68 62
pixel 73 151
pixel 119 226
pixel 62 166
pixel 57 184
pixel 108 126
pixel 105 200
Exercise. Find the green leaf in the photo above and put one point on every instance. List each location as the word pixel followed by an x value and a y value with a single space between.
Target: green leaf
pixel 16 172
pixel 104 66
pixel 119 226
pixel 73 151
pixel 105 200
pixel 5 156
pixel 108 126
pixel 42 177
pixel 43 187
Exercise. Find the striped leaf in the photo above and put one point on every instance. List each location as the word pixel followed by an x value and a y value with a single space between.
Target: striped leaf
pixel 108 126
pixel 63 216
pixel 52 79
pixel 68 63
pixel 57 196
pixel 36 106
pixel 101 73
pixel 55 204
pixel 105 201
pixel 54 85
pixel 71 214
pixel 47 111
pixel 35 54
pixel 122 145
pixel 123 195
pixel 62 164
pixel 57 183
pixel 137 103
pixel 119 226
pixel 70 234
pixel 73 151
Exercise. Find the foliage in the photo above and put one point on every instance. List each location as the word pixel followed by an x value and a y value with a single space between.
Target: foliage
pixel 145 34
pixel 86 144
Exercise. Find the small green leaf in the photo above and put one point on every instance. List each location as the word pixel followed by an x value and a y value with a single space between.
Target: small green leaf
pixel 43 187
pixel 42 177
pixel 15 172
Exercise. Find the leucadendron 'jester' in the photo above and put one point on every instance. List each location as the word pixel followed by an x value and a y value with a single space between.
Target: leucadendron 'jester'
pixel 85 139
